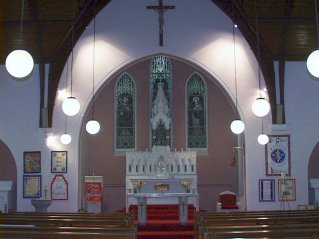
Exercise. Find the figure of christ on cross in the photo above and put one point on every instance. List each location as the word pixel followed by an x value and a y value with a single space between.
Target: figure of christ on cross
pixel 160 9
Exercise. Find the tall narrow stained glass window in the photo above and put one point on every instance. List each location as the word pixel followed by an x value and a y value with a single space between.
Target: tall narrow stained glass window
pixel 196 113
pixel 161 91
pixel 125 112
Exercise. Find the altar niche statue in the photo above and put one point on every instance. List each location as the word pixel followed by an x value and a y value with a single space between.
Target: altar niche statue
pixel 161 121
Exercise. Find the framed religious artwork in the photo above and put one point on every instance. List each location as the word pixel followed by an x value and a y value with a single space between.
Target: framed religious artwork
pixel 278 155
pixel 32 186
pixel 59 188
pixel 266 190
pixel 59 161
pixel 287 189
pixel 32 162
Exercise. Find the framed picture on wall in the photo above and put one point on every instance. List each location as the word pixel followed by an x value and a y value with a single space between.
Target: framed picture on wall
pixel 59 161
pixel 287 189
pixel 266 190
pixel 32 162
pixel 59 188
pixel 32 186
pixel 278 155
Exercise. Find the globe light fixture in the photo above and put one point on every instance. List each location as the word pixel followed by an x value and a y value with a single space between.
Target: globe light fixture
pixel 313 63
pixel 19 64
pixel 260 107
pixel 65 139
pixel 263 139
pixel 237 126
pixel 71 106
pixel 92 127
pixel 313 58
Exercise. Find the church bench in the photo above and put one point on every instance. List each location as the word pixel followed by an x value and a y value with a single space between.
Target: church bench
pixel 206 219
pixel 204 231
pixel 68 219
pixel 300 233
pixel 69 234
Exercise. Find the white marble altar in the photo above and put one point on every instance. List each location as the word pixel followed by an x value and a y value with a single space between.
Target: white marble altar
pixel 161 171
pixel 6 196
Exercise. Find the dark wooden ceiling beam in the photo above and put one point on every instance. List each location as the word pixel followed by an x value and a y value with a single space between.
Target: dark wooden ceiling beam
pixel 85 14
pixel 34 10
pixel 248 30
pixel 282 63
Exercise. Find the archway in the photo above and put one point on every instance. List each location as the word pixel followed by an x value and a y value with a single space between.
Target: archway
pixel 216 168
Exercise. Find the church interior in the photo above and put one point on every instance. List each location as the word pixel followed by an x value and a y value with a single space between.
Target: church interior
pixel 209 106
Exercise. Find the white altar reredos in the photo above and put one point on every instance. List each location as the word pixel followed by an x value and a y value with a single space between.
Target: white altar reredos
pixel 161 171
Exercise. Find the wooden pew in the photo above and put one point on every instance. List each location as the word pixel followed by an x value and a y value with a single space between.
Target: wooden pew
pixel 67 225
pixel 213 219
pixel 68 219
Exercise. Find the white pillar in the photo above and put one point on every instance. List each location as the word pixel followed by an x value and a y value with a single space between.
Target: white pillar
pixel 314 182
pixel 6 200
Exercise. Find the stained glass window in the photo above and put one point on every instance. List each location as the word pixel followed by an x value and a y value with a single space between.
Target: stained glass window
pixel 125 112
pixel 161 90
pixel 196 113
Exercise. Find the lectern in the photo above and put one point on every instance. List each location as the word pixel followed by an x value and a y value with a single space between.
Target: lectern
pixel 93 193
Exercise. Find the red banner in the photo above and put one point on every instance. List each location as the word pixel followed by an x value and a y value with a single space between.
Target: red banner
pixel 93 192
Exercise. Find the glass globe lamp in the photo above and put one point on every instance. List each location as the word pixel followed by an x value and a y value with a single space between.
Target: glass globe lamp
pixel 263 139
pixel 237 126
pixel 65 139
pixel 313 63
pixel 19 64
pixel 261 107
pixel 71 106
pixel 92 127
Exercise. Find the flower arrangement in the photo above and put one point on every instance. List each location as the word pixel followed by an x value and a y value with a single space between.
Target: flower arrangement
pixel 137 185
pixel 186 185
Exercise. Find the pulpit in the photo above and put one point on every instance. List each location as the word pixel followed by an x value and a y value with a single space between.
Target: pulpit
pixel 93 193
pixel 6 196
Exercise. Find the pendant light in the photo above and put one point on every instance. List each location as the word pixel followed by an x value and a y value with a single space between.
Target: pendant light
pixel 237 126
pixel 313 58
pixel 66 138
pixel 263 138
pixel 93 126
pixel 261 106
pixel 19 63
pixel 71 106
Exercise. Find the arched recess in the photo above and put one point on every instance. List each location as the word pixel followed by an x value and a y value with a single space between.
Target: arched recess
pixel 313 172
pixel 217 170
pixel 8 169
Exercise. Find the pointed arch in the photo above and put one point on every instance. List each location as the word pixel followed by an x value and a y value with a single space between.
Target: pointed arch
pixel 196 112
pixel 125 112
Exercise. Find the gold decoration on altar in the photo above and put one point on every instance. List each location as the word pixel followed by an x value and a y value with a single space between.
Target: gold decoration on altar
pixel 161 187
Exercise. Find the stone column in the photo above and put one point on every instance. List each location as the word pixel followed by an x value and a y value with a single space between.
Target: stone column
pixel 183 210
pixel 6 188
pixel 314 183
pixel 142 212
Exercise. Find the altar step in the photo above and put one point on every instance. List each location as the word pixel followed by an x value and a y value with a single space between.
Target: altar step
pixel 162 223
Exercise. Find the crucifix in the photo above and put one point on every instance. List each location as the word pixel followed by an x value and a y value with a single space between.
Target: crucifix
pixel 160 9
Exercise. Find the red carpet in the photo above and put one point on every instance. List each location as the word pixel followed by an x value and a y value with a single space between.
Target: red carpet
pixel 162 223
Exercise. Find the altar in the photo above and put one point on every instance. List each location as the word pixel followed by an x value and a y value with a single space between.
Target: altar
pixel 161 176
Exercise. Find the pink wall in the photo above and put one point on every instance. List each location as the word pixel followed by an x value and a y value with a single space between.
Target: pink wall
pixel 214 171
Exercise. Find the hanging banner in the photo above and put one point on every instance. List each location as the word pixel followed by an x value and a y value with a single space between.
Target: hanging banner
pixel 93 192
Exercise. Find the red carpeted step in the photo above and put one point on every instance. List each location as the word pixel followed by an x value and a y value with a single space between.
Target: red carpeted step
pixel 163 223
